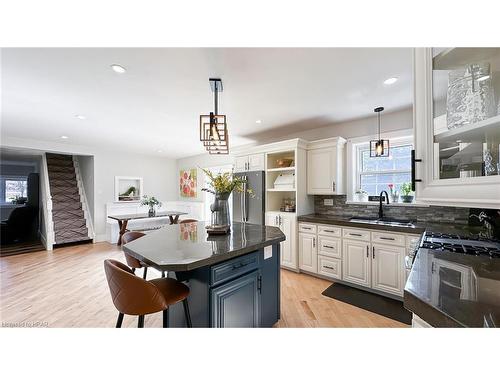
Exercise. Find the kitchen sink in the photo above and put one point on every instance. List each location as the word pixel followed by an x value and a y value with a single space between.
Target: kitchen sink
pixel 384 221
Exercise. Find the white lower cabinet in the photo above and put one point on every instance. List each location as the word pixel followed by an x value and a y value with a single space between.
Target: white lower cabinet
pixel 356 262
pixel 330 267
pixel 308 253
pixel 388 272
pixel 372 259
pixel 418 322
pixel 286 222
pixel 329 246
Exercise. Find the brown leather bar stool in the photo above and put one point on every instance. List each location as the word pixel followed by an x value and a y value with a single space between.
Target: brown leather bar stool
pixel 135 296
pixel 131 261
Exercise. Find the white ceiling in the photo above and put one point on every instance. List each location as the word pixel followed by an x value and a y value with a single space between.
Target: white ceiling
pixel 156 104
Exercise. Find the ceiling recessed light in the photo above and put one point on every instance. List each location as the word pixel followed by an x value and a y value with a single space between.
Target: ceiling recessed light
pixel 160 151
pixel 80 117
pixel 64 137
pixel 118 68
pixel 390 81
pixel 258 121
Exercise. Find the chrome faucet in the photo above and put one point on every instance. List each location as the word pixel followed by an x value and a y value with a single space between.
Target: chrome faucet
pixel 380 210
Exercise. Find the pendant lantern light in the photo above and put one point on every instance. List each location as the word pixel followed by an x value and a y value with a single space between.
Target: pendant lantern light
pixel 379 147
pixel 213 127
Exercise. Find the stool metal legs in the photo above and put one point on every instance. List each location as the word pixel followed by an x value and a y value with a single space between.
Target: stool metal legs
pixel 119 321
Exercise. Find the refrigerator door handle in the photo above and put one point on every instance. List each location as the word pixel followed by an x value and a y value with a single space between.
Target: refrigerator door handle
pixel 245 200
pixel 242 203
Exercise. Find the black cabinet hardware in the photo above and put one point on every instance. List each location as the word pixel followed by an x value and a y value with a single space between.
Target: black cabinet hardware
pixel 367 250
pixel 413 171
pixel 355 234
pixel 387 238
pixel 373 252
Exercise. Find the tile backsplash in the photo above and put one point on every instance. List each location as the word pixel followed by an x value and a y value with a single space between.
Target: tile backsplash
pixel 457 215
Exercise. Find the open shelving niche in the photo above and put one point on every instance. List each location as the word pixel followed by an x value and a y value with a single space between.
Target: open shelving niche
pixel 275 196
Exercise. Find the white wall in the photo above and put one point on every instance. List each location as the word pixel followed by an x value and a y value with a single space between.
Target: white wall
pixel 159 177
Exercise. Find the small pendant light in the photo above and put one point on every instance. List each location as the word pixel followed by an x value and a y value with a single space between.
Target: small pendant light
pixel 379 147
pixel 213 127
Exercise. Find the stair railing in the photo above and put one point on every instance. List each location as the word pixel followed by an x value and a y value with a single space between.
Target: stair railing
pixel 48 235
pixel 83 199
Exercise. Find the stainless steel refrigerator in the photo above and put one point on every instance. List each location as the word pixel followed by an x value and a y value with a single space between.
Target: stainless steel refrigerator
pixel 250 209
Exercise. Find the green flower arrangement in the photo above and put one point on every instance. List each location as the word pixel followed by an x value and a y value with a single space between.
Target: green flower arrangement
pixel 150 201
pixel 224 183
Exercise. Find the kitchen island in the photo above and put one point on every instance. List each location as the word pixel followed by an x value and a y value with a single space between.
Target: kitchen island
pixel 234 279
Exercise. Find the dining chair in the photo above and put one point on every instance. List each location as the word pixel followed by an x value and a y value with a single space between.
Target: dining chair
pixel 185 221
pixel 132 295
pixel 131 261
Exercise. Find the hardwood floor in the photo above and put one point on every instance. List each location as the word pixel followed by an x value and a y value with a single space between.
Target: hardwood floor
pixel 67 288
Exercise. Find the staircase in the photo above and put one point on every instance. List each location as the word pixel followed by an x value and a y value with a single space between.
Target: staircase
pixel 68 216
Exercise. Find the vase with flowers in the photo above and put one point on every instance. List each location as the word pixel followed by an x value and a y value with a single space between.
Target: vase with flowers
pixel 221 185
pixel 393 193
pixel 152 203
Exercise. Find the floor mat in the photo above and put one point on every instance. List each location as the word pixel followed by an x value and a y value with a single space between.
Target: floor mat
pixel 381 305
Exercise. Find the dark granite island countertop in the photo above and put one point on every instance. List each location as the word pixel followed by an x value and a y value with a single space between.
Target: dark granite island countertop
pixel 234 279
pixel 185 247
pixel 454 290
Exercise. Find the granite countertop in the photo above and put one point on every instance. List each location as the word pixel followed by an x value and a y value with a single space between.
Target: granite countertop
pixel 418 228
pixel 185 247
pixel 431 291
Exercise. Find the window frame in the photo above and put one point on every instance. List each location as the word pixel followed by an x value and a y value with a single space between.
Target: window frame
pixel 362 147
pixel 397 138
pixel 3 188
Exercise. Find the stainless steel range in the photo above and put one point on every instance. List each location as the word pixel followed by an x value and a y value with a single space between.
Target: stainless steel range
pixel 459 244
pixel 469 245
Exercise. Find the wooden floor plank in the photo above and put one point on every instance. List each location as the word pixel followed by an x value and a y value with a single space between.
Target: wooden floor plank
pixel 67 288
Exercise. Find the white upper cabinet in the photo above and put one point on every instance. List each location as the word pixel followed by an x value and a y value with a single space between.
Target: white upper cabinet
pixel 254 162
pixel 241 163
pixel 325 167
pixel 457 126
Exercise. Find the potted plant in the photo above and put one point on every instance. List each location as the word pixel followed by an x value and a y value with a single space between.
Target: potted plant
pixel 152 202
pixel 361 195
pixel 222 185
pixel 393 193
pixel 406 193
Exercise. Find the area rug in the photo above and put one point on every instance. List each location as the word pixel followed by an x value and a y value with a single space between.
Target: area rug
pixel 375 303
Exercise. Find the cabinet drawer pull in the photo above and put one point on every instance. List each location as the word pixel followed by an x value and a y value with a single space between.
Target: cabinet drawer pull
pixel 329 267
pixel 355 234
pixel 328 230
pixel 308 228
pixel 387 238
pixel 329 247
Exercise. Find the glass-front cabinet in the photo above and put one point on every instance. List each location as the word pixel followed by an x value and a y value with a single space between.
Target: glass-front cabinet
pixel 457 126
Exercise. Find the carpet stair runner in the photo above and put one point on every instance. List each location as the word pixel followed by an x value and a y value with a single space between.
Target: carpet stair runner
pixel 67 212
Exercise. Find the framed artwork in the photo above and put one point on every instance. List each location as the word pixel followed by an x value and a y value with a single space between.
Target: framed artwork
pixel 128 189
pixel 188 183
